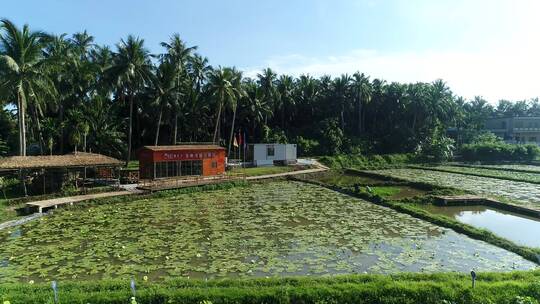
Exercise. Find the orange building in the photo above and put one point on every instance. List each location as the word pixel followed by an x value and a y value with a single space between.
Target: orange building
pixel 180 160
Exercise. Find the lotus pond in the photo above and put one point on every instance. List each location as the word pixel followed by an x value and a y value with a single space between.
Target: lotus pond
pixel 523 167
pixel 520 193
pixel 522 176
pixel 271 229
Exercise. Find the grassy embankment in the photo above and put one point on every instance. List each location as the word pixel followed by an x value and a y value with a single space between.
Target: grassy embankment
pixel 515 287
pixel 367 162
pixel 410 206
pixel 255 171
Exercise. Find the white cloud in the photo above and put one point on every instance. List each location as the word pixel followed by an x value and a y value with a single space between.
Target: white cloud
pixel 495 53
pixel 502 74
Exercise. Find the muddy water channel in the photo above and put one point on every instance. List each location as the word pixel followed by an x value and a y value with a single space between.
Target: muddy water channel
pixel 275 228
pixel 520 229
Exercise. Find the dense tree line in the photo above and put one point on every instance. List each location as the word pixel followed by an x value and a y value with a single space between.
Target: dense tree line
pixel 63 93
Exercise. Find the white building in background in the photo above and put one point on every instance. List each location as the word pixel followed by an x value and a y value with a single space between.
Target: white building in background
pixel 268 154
pixel 516 130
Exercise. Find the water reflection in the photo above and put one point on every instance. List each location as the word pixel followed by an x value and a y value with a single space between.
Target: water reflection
pixel 520 229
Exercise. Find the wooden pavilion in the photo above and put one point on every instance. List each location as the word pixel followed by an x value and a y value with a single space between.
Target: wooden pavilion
pixel 54 170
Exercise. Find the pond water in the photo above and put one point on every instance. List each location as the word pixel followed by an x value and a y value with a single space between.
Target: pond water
pixel 268 229
pixel 520 229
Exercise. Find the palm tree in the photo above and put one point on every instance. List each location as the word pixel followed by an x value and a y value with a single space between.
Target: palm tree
pixel 22 70
pixel 285 87
pixel 82 42
pixel 220 87
pixel 104 136
pixel 131 69
pixel 79 128
pixel 267 82
pixel 177 55
pixel 341 91
pixel 50 131
pixel 255 109
pixel 199 70
pixel 163 88
pixel 59 50
pixel 308 92
pixel 239 92
pixel 362 91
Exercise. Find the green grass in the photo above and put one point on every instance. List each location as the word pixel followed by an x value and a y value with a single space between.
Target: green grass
pixel 133 164
pixel 443 288
pixel 8 213
pixel 385 191
pixel 256 171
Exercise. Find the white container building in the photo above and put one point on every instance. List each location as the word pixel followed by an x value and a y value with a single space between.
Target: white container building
pixel 268 154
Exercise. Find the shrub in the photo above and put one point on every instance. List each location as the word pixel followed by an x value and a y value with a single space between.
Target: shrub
pixel 332 137
pixel 436 149
pixel 359 161
pixel 498 151
pixel 307 147
pixel 274 136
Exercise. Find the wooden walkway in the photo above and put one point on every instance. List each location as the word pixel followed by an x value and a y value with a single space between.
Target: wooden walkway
pixel 70 200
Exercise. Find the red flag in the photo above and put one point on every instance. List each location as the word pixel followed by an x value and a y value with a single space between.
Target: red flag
pixel 239 139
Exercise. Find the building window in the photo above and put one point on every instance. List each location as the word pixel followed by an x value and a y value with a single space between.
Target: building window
pixel 197 167
pixel 503 125
pixel 532 139
pixel 270 151
pixel 214 164
pixel 186 168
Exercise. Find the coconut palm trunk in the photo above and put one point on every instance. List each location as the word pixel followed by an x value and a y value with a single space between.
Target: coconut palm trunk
pixel 232 132
pixel 217 121
pixel 359 116
pixel 175 129
pixel 130 127
pixel 22 123
pixel 158 125
pixel 342 115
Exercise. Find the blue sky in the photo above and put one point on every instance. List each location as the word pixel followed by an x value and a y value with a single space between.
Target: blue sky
pixel 479 47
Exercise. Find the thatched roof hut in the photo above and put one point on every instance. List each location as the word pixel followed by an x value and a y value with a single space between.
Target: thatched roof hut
pixel 74 160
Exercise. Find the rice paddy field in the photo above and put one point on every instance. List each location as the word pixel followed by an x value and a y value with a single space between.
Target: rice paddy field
pixel 519 193
pixel 270 229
